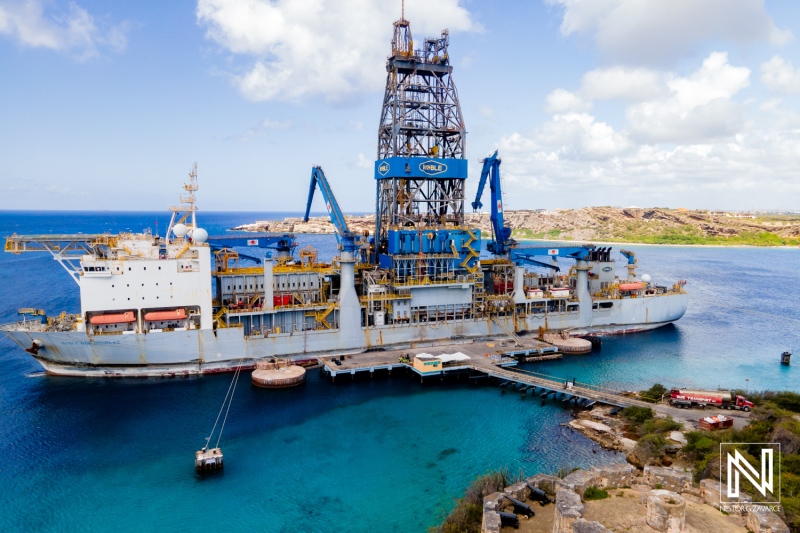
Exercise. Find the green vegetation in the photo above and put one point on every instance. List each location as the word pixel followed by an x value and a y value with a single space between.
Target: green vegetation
pixel 594 493
pixel 564 472
pixel 647 234
pixel 638 414
pixel 650 430
pixel 774 419
pixel 467 515
pixel 654 393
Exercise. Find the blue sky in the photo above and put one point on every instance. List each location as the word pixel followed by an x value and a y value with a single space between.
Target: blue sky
pixel 106 105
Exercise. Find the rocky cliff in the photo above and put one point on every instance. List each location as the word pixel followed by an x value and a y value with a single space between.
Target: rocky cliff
pixel 603 224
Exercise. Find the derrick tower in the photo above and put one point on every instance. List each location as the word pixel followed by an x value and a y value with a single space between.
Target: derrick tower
pixel 421 167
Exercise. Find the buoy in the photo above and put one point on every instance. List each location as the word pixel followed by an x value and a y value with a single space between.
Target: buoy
pixel 569 345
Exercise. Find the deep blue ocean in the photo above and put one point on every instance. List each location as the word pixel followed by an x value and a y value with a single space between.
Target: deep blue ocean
pixel 383 455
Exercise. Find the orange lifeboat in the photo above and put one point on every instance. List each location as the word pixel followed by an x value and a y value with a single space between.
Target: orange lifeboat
pixel 116 318
pixel 173 314
pixel 631 286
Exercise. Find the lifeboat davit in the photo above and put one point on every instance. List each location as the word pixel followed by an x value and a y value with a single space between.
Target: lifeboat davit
pixel 172 314
pixel 116 318
pixel 631 286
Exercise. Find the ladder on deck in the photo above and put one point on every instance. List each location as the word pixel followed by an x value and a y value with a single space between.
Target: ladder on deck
pixel 516 338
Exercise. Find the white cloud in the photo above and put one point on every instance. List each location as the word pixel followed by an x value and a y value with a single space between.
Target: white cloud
pixel 780 76
pixel 362 162
pixel 690 135
pixel 699 107
pixel 73 30
pixel 659 32
pixel 629 84
pixel 561 101
pixel 332 48
pixel 579 135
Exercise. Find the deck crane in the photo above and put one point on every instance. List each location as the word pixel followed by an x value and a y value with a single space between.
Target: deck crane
pixel 502 241
pixel 632 264
pixel 502 244
pixel 349 242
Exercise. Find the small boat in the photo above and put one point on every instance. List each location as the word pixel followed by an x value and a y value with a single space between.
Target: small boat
pixel 206 460
pixel 786 358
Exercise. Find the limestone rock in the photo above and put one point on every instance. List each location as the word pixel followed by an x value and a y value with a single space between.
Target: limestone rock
pixel 666 511
pixel 578 481
pixel 584 526
pixel 493 501
pixel 790 443
pixel 518 491
pixel 641 455
pixel 668 478
pixel 544 482
pixel 765 521
pixel 568 510
pixel 613 476
pixel 715 494
pixel 678 437
pixel 491 522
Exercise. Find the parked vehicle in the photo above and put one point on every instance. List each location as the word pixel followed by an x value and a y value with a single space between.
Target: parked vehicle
pixel 686 398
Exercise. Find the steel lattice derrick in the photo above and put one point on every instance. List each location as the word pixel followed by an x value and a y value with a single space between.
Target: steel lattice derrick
pixel 421 114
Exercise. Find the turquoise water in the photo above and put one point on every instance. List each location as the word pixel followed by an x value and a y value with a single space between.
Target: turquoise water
pixel 382 455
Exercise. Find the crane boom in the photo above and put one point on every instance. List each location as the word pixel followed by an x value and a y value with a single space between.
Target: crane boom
pixel 502 241
pixel 348 241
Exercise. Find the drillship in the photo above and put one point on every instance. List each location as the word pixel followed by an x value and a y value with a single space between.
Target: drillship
pixel 183 304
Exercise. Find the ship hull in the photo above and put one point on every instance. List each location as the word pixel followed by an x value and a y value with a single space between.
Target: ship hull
pixel 205 351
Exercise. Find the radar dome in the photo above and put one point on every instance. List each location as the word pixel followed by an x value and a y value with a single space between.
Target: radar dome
pixel 179 230
pixel 199 235
pixel 646 278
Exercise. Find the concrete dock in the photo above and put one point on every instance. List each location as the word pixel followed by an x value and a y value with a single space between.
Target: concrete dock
pixel 491 358
pixel 497 359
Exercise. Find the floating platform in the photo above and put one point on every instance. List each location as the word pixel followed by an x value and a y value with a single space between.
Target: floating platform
pixel 569 345
pixel 208 460
pixel 278 375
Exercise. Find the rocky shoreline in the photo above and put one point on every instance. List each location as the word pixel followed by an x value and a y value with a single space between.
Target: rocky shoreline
pixel 653 495
pixel 596 224
pixel 611 431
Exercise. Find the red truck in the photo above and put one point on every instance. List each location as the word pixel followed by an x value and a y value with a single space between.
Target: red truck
pixel 686 398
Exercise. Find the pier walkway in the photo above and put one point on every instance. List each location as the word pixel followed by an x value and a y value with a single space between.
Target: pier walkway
pixel 489 359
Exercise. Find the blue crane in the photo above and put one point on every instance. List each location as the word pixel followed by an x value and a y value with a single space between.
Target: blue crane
pixel 502 241
pixel 503 244
pixel 348 240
